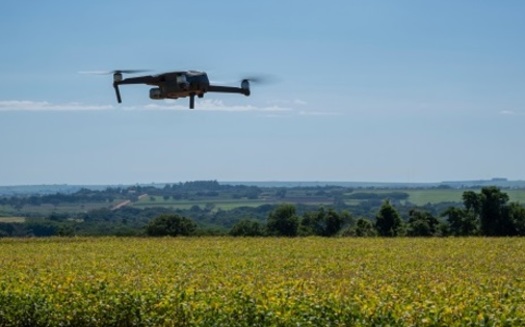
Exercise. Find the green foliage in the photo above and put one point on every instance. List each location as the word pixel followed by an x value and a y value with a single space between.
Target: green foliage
pixel 322 222
pixel 516 216
pixel 213 207
pixel 362 228
pixel 461 222
pixel 283 221
pixel 472 201
pixel 487 213
pixel 422 223
pixel 247 227
pixel 492 213
pixel 171 225
pixel 388 222
pixel 262 282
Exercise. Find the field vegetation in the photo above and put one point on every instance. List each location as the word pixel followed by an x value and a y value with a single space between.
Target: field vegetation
pixel 12 220
pixel 232 209
pixel 262 282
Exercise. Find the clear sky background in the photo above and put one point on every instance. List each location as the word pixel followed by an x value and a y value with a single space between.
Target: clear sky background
pixel 385 91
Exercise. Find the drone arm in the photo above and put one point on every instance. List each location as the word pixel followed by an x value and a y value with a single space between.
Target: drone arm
pixel 150 80
pixel 228 89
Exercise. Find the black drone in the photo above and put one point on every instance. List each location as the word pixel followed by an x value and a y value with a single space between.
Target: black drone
pixel 179 84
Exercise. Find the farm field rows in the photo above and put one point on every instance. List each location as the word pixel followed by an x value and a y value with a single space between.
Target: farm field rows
pixel 12 219
pixel 47 209
pixel 225 201
pixel 262 282
pixel 422 197
pixel 416 196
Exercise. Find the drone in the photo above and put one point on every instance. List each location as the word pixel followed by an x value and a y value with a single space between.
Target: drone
pixel 175 85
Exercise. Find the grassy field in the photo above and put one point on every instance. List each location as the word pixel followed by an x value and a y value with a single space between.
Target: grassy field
pixel 262 282
pixel 12 219
pixel 63 208
pixel 421 197
pixel 433 196
pixel 221 203
pixel 416 196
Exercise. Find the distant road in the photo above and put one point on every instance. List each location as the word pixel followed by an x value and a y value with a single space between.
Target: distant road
pixel 127 202
pixel 121 204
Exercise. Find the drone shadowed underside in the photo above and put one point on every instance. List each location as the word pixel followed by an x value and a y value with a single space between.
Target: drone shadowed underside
pixel 175 85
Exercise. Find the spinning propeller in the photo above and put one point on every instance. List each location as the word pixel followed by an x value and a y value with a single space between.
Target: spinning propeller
pixel 117 77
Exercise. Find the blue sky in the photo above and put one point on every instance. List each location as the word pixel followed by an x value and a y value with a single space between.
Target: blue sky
pixel 385 91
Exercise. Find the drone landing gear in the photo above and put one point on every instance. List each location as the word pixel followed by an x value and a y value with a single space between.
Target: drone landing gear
pixel 192 100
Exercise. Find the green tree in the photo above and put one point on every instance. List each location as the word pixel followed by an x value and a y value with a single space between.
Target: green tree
pixel 247 227
pixel 170 225
pixel 490 211
pixel 333 223
pixel 283 221
pixel 388 222
pixel 461 222
pixel 472 201
pixel 422 223
pixel 516 214
pixel 307 223
pixel 494 220
pixel 322 223
pixel 363 228
pixel 66 230
pixel 347 218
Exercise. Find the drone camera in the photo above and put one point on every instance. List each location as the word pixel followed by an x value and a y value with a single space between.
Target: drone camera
pixel 155 94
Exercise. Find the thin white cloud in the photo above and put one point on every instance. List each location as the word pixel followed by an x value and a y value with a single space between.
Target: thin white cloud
pixel 511 113
pixel 299 102
pixel 319 113
pixel 211 105
pixel 296 102
pixel 26 105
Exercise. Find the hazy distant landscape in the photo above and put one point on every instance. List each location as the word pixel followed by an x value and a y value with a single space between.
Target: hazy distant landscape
pixel 274 253
pixel 217 208
pixel 65 188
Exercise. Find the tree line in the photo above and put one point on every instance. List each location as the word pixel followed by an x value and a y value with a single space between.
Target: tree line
pixel 487 213
pixel 484 213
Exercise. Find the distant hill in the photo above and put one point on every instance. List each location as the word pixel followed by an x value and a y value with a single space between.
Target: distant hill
pixel 342 184
pixel 499 182
pixel 68 189
pixel 45 189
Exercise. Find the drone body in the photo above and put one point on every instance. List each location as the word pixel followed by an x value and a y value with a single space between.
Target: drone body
pixel 179 84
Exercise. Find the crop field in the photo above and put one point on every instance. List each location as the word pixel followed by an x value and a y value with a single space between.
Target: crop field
pixel 12 219
pixel 262 282
pixel 47 209
pixel 416 196
pixel 221 203
pixel 433 196
pixel 422 197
